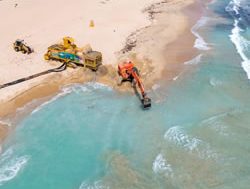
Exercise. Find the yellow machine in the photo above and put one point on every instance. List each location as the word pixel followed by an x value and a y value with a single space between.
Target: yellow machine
pixel 92 60
pixel 68 43
pixel 68 52
pixel 20 45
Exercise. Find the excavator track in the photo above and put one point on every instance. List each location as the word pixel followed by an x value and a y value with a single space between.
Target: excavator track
pixel 58 69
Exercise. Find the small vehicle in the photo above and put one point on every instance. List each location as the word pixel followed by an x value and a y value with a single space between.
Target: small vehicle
pixel 20 45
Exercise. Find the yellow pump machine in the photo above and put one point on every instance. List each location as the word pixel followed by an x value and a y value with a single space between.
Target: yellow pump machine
pixel 68 52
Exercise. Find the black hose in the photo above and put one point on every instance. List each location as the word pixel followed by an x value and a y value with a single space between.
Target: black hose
pixel 58 69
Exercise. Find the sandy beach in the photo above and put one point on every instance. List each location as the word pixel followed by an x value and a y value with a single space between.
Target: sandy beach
pixel 154 34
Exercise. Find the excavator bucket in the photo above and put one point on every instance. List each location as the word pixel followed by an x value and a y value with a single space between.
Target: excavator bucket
pixel 146 102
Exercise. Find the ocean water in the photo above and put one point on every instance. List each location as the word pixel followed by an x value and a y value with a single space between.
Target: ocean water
pixel 195 136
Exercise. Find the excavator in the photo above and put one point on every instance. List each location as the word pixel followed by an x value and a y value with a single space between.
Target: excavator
pixel 128 72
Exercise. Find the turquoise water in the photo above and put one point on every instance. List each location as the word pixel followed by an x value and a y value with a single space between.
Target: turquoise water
pixel 195 136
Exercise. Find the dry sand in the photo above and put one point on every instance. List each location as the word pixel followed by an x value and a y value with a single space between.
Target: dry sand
pixel 154 34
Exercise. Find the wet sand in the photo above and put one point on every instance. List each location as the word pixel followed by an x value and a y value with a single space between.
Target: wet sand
pixel 4 130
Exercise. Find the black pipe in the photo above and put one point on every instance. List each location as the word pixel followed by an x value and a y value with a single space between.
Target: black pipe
pixel 58 69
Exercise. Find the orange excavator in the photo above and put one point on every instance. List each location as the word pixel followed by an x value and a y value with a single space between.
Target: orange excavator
pixel 128 72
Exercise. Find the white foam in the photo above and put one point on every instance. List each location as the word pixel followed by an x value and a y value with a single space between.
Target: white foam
pixel 241 44
pixel 161 166
pixel 177 136
pixel 6 155
pixel 178 76
pixel 211 3
pixel 76 88
pixel 195 60
pixel 217 125
pixel 5 122
pixel 95 185
pixel 200 42
pixel 10 169
pixel 96 85
pixel 64 92
pixel 156 86
pixel 216 122
pixel 234 5
pixel 215 82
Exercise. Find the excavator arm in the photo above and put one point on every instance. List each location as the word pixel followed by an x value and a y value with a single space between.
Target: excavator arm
pixel 139 82
pixel 146 102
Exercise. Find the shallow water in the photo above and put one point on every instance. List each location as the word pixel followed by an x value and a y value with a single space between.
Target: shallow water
pixel 196 135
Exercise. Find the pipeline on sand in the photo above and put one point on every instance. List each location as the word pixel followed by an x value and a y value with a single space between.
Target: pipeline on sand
pixel 58 69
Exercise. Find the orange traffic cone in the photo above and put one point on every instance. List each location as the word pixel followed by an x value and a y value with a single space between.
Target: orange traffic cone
pixel 91 24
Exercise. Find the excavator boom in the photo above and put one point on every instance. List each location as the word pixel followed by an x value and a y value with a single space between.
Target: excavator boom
pixel 138 81
pixel 146 102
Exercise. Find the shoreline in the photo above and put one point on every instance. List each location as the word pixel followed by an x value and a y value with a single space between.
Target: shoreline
pixel 53 83
pixel 184 44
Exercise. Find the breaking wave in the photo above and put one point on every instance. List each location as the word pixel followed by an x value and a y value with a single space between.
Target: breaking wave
pixel 177 136
pixel 76 88
pixel 95 185
pixel 161 166
pixel 242 44
pixel 218 124
pixel 195 60
pixel 10 166
pixel 200 42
